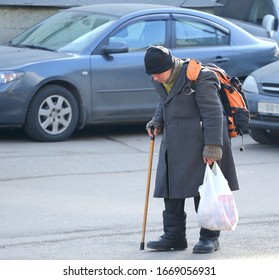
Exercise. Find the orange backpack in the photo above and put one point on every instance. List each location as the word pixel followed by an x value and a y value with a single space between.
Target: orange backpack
pixel 231 95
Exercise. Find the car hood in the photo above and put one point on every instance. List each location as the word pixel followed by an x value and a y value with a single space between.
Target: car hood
pixel 268 73
pixel 12 58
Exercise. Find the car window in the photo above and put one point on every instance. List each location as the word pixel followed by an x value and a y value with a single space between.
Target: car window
pixel 259 10
pixel 251 11
pixel 236 9
pixel 193 33
pixel 139 35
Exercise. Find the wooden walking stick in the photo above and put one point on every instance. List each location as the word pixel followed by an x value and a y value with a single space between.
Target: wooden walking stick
pixel 147 190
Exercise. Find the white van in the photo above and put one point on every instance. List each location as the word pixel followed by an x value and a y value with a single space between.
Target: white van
pixel 259 17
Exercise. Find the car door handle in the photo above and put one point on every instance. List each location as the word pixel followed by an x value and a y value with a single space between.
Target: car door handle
pixel 221 60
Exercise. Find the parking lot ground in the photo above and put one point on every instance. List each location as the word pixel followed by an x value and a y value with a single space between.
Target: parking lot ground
pixel 83 199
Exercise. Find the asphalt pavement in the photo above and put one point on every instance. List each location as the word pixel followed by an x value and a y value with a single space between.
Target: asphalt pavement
pixel 83 199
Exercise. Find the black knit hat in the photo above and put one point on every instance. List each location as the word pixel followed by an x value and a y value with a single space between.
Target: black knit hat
pixel 157 60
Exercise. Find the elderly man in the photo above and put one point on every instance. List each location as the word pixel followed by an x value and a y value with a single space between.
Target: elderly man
pixel 195 132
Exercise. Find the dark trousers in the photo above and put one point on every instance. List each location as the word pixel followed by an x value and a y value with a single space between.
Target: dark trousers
pixel 176 207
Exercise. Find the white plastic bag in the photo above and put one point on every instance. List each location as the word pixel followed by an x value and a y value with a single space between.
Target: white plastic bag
pixel 217 209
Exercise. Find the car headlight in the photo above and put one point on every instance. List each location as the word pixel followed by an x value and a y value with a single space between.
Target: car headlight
pixel 9 76
pixel 250 85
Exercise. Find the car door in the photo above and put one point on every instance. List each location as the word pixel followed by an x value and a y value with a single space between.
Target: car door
pixel 195 37
pixel 122 91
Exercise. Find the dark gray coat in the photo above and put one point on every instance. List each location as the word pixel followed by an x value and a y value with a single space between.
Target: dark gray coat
pixel 189 122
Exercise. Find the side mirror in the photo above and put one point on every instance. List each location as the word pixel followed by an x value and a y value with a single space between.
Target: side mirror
pixel 115 47
pixel 269 24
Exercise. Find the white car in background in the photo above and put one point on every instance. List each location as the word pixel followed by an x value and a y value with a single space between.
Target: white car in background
pixel 258 17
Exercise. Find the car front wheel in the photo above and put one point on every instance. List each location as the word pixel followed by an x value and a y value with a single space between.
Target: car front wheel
pixel 263 136
pixel 52 114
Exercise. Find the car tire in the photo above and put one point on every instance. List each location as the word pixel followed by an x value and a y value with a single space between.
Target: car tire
pixel 263 136
pixel 52 114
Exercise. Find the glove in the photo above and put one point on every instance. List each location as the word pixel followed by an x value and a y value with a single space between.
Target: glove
pixel 213 152
pixel 153 124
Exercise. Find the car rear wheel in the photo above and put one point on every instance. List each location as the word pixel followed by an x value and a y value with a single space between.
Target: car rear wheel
pixel 263 136
pixel 52 114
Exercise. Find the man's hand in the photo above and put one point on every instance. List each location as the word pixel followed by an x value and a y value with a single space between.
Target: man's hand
pixel 153 128
pixel 212 153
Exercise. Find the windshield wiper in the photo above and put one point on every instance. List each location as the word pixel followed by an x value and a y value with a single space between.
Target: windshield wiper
pixel 30 46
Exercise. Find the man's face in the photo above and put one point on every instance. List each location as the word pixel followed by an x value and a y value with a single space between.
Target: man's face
pixel 162 77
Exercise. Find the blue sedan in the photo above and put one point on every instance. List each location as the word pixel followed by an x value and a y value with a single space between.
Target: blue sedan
pixel 85 66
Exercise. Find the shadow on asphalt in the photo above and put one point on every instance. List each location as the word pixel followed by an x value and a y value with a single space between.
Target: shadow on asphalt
pixel 7 134
pixel 101 130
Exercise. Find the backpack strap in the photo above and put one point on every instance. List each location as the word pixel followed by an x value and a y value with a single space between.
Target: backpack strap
pixel 193 71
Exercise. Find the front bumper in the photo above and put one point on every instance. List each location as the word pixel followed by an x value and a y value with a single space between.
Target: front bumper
pixel 14 100
pixel 262 120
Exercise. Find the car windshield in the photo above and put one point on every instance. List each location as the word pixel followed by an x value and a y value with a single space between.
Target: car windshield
pixel 66 31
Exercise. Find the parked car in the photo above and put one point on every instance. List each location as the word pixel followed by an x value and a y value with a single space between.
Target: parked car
pixel 85 65
pixel 259 17
pixel 262 91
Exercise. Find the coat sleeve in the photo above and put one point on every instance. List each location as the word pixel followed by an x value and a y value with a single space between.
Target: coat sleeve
pixel 209 104
pixel 158 116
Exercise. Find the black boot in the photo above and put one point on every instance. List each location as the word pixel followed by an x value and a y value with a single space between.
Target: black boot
pixel 174 236
pixel 208 241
